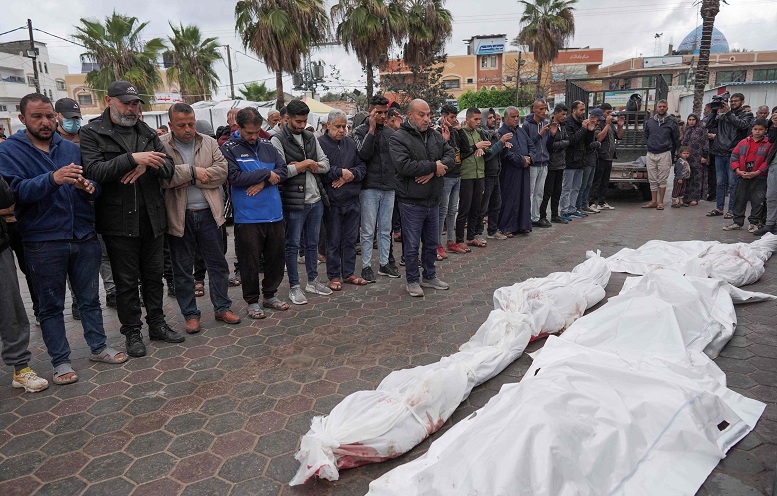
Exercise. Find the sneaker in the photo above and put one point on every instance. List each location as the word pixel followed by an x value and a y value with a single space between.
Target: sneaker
pixel 455 248
pixel 164 332
pixel 482 239
pixel 369 276
pixel 29 380
pixel 319 288
pixel 732 227
pixel 497 235
pixel 566 217
pixel 300 260
pixel 558 219
pixel 414 289
pixel 297 296
pixel 535 223
pixel 401 262
pixel 388 270
pixel 578 213
pixel 545 223
pixel 134 343
pixel 435 283
pixel 606 206
pixel 595 207
pixel 588 210
pixel 441 255
pixel 763 230
pixel 752 227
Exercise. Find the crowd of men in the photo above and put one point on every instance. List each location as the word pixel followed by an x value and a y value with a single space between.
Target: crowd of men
pixel 134 205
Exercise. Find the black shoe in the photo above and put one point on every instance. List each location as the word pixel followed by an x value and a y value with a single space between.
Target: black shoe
pixel 545 223
pixel 76 313
pixel 765 229
pixel 135 346
pixel 388 270
pixel 535 224
pixel 110 300
pixel 368 275
pixel 170 290
pixel 402 261
pixel 165 333
pixel 558 220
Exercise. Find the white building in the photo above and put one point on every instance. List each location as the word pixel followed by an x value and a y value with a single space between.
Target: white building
pixel 17 79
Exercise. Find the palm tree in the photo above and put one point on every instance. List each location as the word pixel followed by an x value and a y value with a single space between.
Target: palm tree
pixel 709 9
pixel 429 26
pixel 190 62
pixel 370 28
pixel 255 92
pixel 118 49
pixel 547 27
pixel 280 32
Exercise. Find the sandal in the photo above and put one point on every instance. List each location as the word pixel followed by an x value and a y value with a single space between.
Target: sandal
pixel 650 205
pixel 255 311
pixel 334 284
pixel 62 371
pixel 233 281
pixel 464 247
pixel 276 304
pixel 714 213
pixel 694 203
pixel 660 206
pixel 676 205
pixel 355 280
pixel 685 205
pixel 108 355
pixel 476 242
pixel 199 288
pixel 729 215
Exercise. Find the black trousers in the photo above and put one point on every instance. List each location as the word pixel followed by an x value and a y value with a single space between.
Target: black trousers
pixel 470 201
pixel 136 259
pixel 551 193
pixel 601 184
pixel 490 205
pixel 754 192
pixel 253 241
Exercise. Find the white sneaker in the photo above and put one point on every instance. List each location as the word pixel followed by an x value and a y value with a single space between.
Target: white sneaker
pixel 606 206
pixel 595 208
pixel 414 289
pixel 297 296
pixel 317 287
pixel 497 235
pixel 752 228
pixel 29 380
pixel 482 239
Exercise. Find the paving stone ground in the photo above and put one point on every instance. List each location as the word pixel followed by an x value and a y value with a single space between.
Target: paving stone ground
pixel 222 413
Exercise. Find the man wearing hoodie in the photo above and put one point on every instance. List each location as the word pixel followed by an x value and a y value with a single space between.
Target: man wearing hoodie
pixel 537 126
pixel 421 159
pixel 254 170
pixel 56 222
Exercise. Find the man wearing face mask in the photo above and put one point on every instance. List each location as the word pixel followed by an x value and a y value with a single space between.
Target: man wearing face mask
pixel 128 160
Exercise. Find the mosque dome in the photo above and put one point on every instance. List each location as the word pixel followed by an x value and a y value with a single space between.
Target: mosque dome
pixel 690 43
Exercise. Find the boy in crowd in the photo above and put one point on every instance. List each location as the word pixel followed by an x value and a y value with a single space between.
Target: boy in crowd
pixel 748 160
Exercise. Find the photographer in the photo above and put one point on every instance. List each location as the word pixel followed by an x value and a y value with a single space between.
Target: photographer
pixel 711 126
pixel 734 123
pixel 607 131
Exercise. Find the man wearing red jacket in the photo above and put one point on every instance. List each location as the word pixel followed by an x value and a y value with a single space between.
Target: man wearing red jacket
pixel 748 160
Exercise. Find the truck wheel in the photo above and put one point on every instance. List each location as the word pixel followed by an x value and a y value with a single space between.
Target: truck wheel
pixel 644 189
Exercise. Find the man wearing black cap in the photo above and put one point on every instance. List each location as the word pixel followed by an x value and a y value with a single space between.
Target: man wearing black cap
pixel 128 160
pixel 68 119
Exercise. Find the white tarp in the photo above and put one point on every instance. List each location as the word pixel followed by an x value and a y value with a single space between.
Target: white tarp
pixel 410 404
pixel 737 263
pixel 624 402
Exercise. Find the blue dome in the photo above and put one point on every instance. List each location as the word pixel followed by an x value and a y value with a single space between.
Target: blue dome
pixel 691 42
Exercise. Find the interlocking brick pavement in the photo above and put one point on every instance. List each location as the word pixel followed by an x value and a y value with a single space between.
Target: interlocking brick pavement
pixel 223 412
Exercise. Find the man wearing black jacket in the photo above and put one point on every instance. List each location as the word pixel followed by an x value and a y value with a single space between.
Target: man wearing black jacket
pixel 580 133
pixel 421 158
pixel 556 166
pixel 492 195
pixel 127 159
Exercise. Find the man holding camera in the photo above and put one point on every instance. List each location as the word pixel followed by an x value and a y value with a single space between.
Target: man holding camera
pixel 734 124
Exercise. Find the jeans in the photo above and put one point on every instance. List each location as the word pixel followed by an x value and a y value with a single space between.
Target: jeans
pixel 490 206
pixel 51 264
pixel 771 196
pixel 14 325
pixel 342 231
pixel 727 182
pixel 449 208
pixel 570 187
pixel 552 193
pixel 377 208
pixel 307 221
pixel 419 225
pixel 200 234
pixel 470 198
pixel 256 241
pixel 136 259
pixel 537 177
pixel 585 187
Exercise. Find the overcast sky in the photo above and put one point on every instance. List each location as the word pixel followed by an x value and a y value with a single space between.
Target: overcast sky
pixel 623 28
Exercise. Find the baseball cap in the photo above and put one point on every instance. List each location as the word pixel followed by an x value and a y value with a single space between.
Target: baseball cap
pixel 597 112
pixel 68 107
pixel 124 91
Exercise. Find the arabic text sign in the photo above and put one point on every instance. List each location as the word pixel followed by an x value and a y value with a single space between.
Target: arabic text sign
pixel 648 62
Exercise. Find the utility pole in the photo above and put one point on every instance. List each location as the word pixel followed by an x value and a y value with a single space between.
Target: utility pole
pixel 229 66
pixel 518 80
pixel 33 54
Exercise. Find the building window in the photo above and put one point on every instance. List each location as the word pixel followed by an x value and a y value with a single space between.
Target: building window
pixel 493 61
pixel 40 66
pixel 682 79
pixel 723 77
pixel 765 75
pixel 31 80
pixel 51 95
pixel 484 62
pixel 451 84
pixel 470 81
pixel 493 87
pixel 650 81
pixel 45 68
pixel 60 85
pixel 3 108
pixel 85 99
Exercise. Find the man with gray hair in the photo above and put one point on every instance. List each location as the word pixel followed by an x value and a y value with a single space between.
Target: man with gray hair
pixel 343 186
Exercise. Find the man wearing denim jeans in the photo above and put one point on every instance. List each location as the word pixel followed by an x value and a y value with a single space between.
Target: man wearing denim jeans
pixel 421 158
pixel 580 132
pixel 589 169
pixel 303 196
pixel 734 125
pixel 452 132
pixel 195 215
pixel 376 200
pixel 537 126
pixel 56 222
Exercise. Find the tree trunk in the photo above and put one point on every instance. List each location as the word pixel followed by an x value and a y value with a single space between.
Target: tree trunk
pixel 709 10
pixel 538 88
pixel 279 90
pixel 370 83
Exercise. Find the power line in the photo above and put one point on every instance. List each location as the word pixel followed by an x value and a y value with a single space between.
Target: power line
pixel 59 37
pixel 11 31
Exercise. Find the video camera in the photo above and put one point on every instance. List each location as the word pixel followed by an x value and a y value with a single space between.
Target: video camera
pixel 718 100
